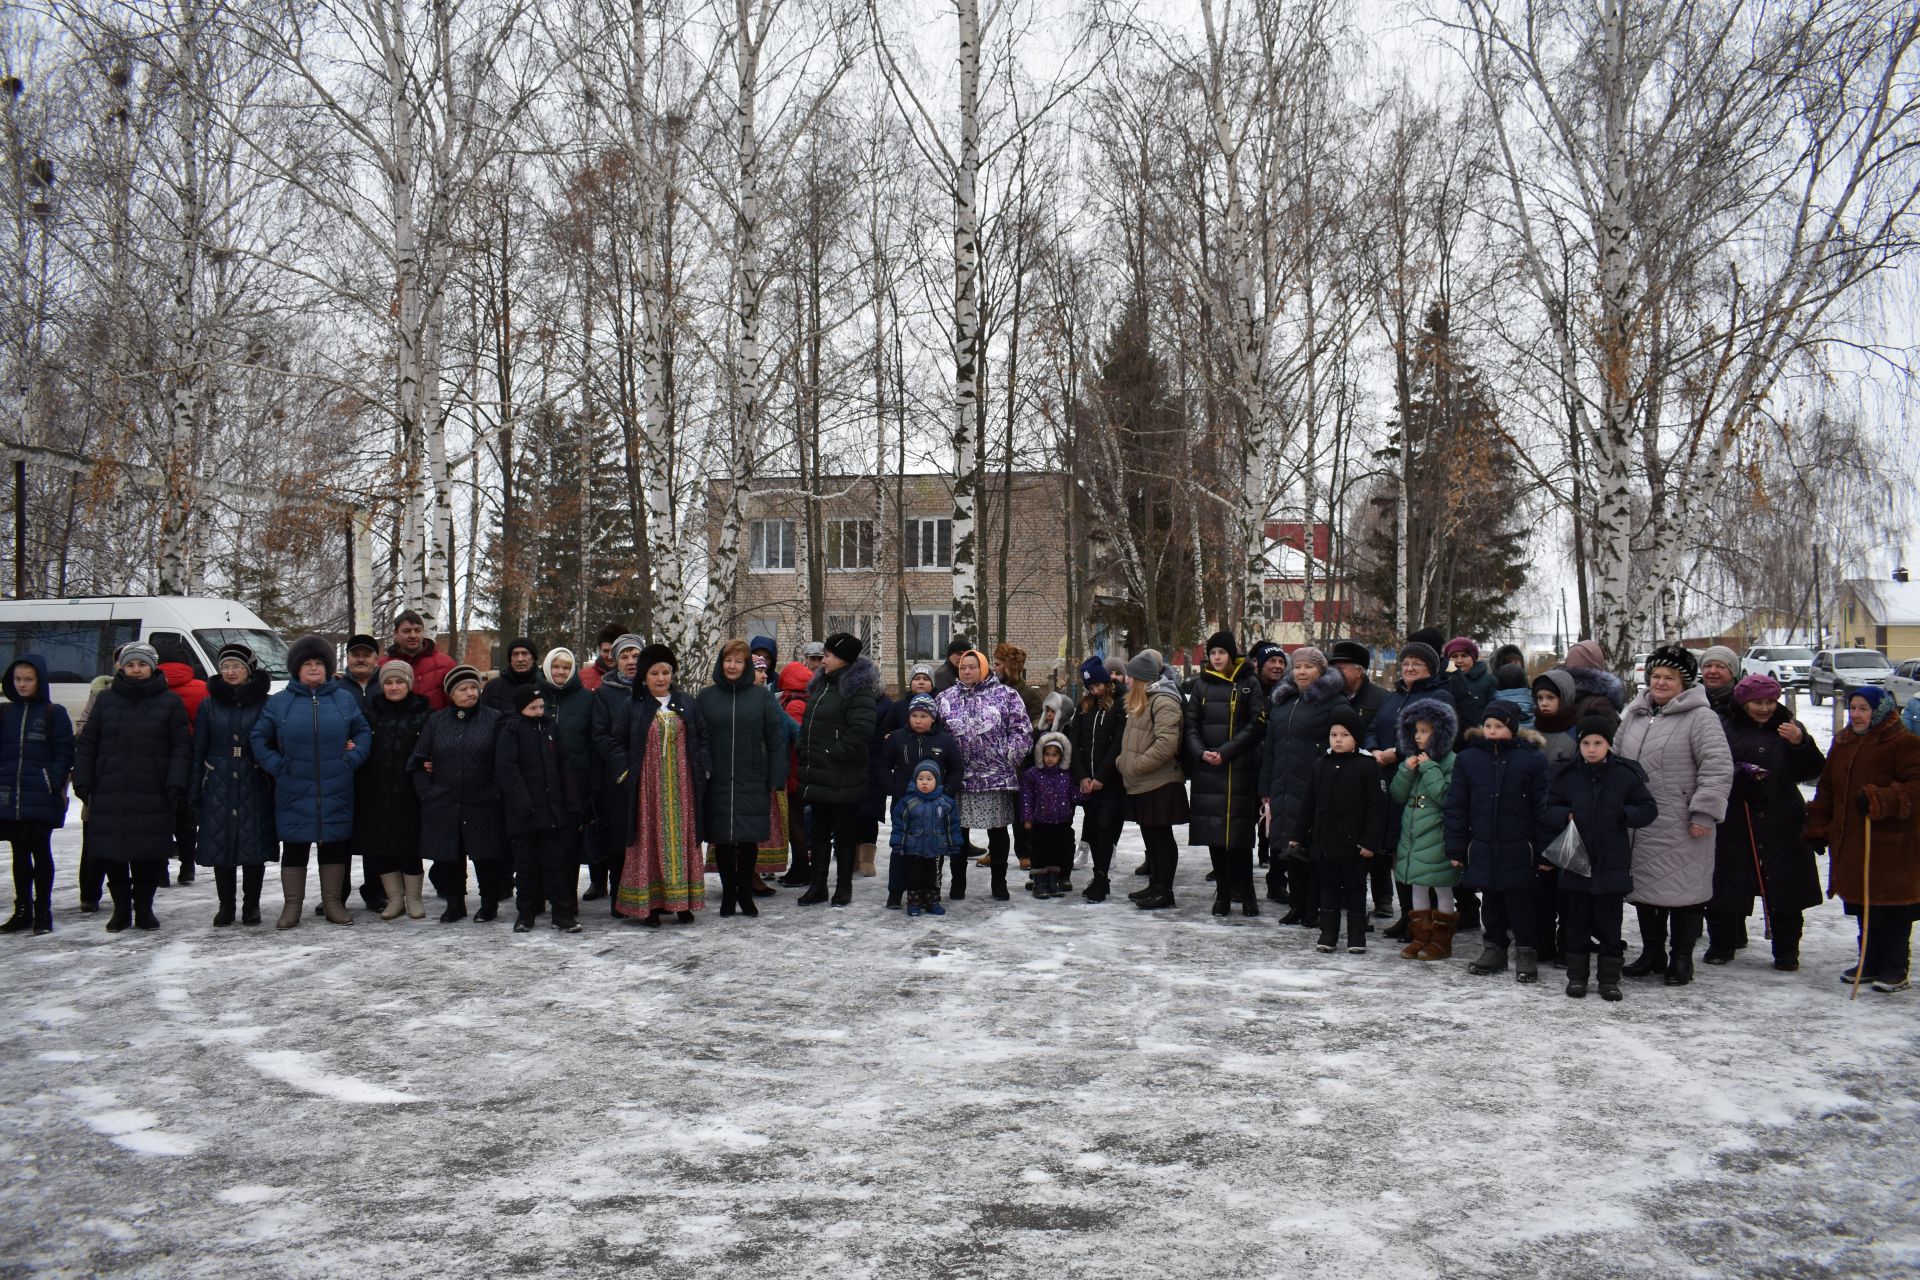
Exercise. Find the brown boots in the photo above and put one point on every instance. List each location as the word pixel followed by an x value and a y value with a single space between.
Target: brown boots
pixel 1419 929
pixel 333 891
pixel 864 860
pixel 1439 936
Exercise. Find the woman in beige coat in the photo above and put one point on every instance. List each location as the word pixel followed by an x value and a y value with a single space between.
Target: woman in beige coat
pixel 1679 742
pixel 1149 764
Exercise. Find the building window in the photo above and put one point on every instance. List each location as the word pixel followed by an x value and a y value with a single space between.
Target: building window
pixel 866 626
pixel 770 545
pixel 927 636
pixel 929 543
pixel 849 544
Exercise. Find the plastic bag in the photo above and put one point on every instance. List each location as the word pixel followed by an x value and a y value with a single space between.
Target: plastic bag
pixel 1568 852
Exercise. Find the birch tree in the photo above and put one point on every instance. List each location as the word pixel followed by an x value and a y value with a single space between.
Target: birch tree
pixel 1737 177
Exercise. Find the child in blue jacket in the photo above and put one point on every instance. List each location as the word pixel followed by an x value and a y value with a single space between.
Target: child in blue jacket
pixel 926 831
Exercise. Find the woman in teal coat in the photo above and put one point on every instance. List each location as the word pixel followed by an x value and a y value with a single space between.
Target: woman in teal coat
pixel 311 736
pixel 1428 728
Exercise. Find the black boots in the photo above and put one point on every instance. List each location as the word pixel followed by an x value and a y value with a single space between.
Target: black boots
pixel 745 856
pixel 1158 895
pixel 843 882
pixel 1610 977
pixel 816 883
pixel 223 879
pixel 1653 943
pixel 1526 964
pixel 1686 932
pixel 1726 935
pixel 523 922
pixel 997 869
pixel 1786 941
pixel 143 917
pixel 957 889
pixel 1302 893
pixel 1579 965
pixel 1329 932
pixel 1356 932
pixel 596 882
pixel 1097 888
pixel 22 918
pixel 1492 960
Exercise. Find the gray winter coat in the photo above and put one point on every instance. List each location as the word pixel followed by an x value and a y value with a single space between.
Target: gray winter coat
pixel 1682 748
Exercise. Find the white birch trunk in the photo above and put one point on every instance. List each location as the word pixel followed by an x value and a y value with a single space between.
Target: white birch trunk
pixel 966 329
pixel 182 463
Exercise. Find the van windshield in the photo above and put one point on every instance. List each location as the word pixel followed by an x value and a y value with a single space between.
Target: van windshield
pixel 269 650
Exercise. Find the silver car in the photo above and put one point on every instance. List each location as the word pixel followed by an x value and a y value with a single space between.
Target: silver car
pixel 1838 671
pixel 1904 682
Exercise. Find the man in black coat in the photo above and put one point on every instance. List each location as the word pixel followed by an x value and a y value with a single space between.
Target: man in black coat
pixel 363 663
pixel 947 674
pixel 834 760
pixel 1354 662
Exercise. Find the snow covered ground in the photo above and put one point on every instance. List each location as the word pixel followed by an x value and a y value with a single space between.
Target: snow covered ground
pixel 1035 1088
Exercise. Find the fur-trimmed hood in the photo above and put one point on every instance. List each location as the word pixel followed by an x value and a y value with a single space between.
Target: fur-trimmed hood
pixel 1476 738
pixel 1443 718
pixel 1330 685
pixel 855 676
pixel 1054 740
pixel 1589 681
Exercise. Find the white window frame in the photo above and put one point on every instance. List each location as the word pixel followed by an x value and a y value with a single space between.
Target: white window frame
pixel 915 544
pixel 757 545
pixel 942 633
pixel 836 539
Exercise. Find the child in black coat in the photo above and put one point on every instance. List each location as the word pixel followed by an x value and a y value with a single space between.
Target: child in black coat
pixel 1605 798
pixel 923 738
pixel 542 803
pixel 1342 824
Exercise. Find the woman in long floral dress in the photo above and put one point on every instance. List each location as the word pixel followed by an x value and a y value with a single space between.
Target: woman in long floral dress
pixel 666 741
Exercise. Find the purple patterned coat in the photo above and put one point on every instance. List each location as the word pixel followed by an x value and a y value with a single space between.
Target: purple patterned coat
pixel 991 724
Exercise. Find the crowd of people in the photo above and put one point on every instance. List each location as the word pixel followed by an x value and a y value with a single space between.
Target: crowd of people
pixel 1467 797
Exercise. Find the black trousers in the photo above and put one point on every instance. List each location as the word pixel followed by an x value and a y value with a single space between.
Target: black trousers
pixel 333 853
pixel 1051 845
pixel 545 871
pixel 494 877
pixel 1380 875
pixel 92 876
pixel 1547 924
pixel 836 828
pixel 186 831
pixel 1100 827
pixel 1889 940
pixel 132 883
pixel 1593 918
pixel 228 883
pixel 923 874
pixel 1343 882
pixel 1232 870
pixel 1504 912
pixel 32 865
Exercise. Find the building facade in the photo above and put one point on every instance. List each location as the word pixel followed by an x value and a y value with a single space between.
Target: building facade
pixel 874 556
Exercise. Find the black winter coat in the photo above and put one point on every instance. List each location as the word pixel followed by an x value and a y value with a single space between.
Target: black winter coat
pixel 1778 812
pixel 747 739
pixel 1497 810
pixel 460 810
pixel 1368 704
pixel 878 799
pixel 612 705
pixel 1296 737
pixel 1225 713
pixel 1607 802
pixel 386 805
pixel 637 723
pixel 837 734
pixel 1344 809
pixel 570 707
pixel 36 752
pixel 537 790
pixel 498 692
pixel 906 749
pixel 233 793
pixel 1095 734
pixel 362 693
pixel 131 764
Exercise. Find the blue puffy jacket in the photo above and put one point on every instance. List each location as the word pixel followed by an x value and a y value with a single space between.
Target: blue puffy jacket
pixel 1497 810
pixel 36 751
pixel 302 738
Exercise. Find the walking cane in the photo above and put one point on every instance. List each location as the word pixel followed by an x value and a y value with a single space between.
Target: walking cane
pixel 1866 896
pixel 1759 875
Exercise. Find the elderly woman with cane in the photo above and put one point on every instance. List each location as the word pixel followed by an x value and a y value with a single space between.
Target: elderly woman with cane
pixel 1866 813
pixel 1758 849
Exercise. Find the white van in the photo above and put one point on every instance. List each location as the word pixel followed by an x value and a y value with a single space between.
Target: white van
pixel 78 637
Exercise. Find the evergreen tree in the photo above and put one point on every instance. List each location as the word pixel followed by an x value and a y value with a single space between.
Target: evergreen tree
pixel 1467 523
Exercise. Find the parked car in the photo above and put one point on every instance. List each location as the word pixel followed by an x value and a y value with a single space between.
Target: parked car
pixel 1787 664
pixel 1905 681
pixel 1838 671
pixel 78 637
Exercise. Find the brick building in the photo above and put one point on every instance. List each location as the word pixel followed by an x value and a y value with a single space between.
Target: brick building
pixel 878 553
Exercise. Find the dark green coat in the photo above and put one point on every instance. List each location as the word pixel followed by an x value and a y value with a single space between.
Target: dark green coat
pixel 747 739
pixel 841 715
